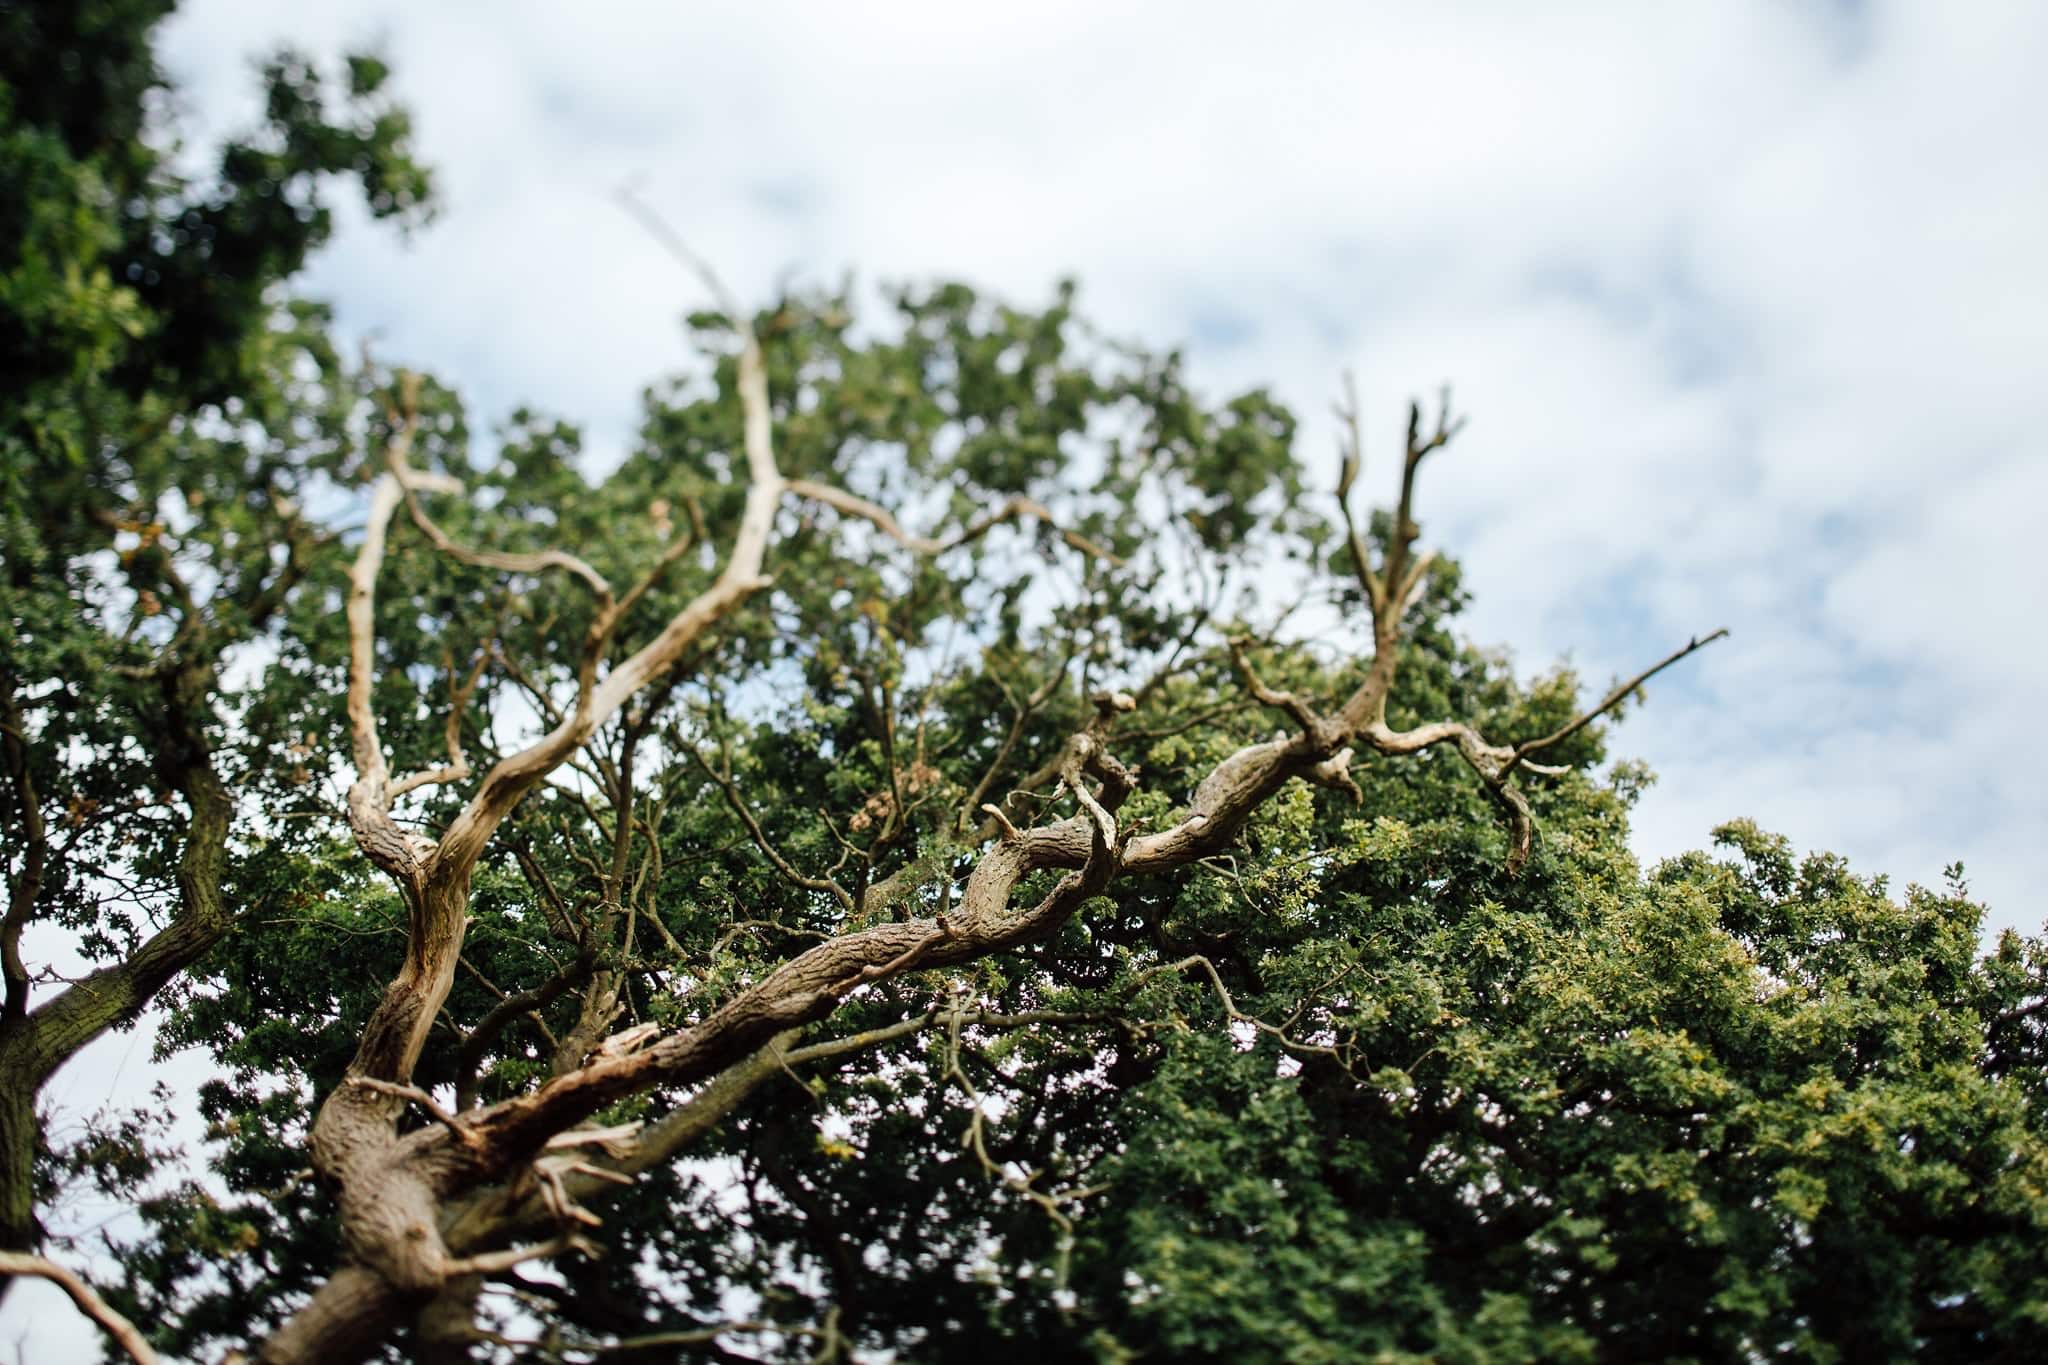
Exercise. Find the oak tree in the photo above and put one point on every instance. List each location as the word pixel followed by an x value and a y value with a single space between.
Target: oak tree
pixel 957 844
pixel 166 418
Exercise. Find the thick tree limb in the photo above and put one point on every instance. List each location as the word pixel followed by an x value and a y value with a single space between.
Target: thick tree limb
pixel 510 1213
pixel 396 1192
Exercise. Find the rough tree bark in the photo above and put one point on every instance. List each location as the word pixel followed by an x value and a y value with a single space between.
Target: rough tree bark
pixel 426 1212
pixel 178 690
pixel 35 1042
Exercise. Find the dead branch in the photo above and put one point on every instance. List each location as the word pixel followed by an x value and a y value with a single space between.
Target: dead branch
pixel 1393 586
pixel 460 690
pixel 89 1303
pixel 1608 703
pixel 1017 508
pixel 497 1262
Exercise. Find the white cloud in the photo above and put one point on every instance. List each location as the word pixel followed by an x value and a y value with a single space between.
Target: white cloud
pixel 1745 300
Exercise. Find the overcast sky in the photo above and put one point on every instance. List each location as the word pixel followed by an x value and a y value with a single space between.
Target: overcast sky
pixel 1748 302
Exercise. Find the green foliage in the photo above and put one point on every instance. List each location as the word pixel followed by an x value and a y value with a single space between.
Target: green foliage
pixel 1347 1091
pixel 171 417
pixel 170 413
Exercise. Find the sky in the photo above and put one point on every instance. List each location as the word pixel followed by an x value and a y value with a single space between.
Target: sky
pixel 1748 303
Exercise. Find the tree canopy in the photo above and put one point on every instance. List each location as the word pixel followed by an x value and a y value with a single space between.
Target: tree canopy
pixel 956 845
pixel 169 417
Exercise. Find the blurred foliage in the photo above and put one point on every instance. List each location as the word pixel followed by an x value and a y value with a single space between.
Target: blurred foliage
pixel 174 424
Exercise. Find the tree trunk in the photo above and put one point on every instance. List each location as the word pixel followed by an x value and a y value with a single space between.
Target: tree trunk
pixel 19 1230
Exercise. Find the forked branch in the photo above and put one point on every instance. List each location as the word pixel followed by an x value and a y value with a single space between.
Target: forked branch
pixel 355 1141
pixel 1391 587
pixel 1016 509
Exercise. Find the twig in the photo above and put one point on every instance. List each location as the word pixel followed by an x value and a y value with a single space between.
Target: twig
pixel 1611 700
pixel 1016 508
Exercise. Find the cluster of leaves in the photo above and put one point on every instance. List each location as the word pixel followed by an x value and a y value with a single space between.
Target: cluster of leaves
pixel 1441 1113
pixel 170 416
pixel 1740 1108
pixel 1349 1091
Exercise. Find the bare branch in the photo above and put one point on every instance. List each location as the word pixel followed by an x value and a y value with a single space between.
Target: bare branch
pixel 742 577
pixel 89 1303
pixel 419 1097
pixel 674 551
pixel 1015 509
pixel 497 1262
pixel 1395 585
pixel 704 1336
pixel 412 481
pixel 1610 701
pixel 671 241
pixel 1002 821
pixel 1304 715
pixel 396 1029
pixel 1023 1182
pixel 1395 572
pixel 1351 446
pixel 902 962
